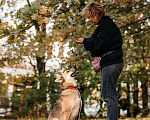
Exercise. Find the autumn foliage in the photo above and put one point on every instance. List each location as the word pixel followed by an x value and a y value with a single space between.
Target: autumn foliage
pixel 30 34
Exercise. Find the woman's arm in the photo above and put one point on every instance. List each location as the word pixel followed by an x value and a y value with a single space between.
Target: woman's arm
pixel 100 42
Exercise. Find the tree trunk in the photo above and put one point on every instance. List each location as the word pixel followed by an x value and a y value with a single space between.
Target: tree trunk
pixel 144 87
pixel 40 65
pixel 128 98
pixel 40 60
pixel 135 98
pixel 145 97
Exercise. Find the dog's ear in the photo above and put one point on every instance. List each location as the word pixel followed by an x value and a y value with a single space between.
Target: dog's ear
pixel 60 79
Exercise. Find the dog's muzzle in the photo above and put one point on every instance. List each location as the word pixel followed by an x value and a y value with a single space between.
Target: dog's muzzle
pixel 75 73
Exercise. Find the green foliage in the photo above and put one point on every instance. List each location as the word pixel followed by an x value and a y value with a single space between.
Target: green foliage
pixel 29 97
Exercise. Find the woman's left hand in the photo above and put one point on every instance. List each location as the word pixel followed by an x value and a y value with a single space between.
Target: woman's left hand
pixel 79 40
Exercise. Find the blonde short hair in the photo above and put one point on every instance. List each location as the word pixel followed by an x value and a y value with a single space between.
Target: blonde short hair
pixel 92 9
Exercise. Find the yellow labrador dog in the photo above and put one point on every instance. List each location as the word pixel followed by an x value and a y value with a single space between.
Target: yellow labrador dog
pixel 69 104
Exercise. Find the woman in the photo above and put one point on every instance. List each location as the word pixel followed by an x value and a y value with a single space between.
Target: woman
pixel 106 42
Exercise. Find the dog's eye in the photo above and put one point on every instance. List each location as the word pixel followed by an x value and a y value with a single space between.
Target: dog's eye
pixel 67 71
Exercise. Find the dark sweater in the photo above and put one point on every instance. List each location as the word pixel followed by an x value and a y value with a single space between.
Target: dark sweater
pixel 106 37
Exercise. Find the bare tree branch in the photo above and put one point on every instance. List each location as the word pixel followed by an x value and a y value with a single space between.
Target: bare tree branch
pixel 28 3
pixel 31 63
pixel 133 22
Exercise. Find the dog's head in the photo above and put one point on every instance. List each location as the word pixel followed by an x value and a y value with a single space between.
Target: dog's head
pixel 68 78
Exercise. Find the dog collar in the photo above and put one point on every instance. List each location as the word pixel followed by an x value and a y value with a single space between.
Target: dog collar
pixel 70 88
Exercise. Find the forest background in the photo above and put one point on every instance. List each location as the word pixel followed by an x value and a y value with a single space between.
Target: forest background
pixel 44 30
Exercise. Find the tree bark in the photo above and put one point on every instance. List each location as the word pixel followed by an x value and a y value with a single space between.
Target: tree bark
pixel 40 65
pixel 128 98
pixel 135 98
pixel 145 97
